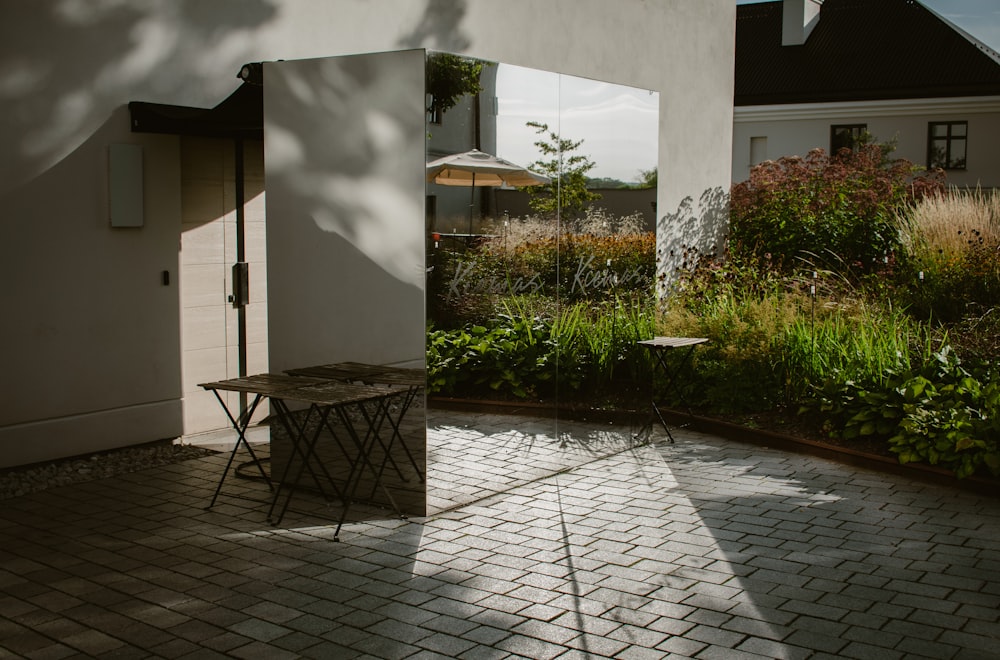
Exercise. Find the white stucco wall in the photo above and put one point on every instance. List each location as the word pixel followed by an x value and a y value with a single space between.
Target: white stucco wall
pixel 91 332
pixel 796 129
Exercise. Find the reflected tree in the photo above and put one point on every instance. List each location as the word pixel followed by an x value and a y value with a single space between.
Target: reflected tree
pixel 567 194
pixel 449 78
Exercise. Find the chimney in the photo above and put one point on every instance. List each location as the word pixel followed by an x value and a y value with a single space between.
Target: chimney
pixel 799 17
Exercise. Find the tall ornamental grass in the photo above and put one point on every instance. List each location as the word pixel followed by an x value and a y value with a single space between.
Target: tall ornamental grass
pixel 943 226
pixel 863 342
pixel 952 248
pixel 740 368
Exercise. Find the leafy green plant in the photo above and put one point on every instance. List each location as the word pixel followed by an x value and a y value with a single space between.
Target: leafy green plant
pixel 511 359
pixel 950 417
pixel 533 350
pixel 940 414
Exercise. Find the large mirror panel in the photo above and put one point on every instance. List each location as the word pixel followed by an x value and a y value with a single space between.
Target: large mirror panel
pixel 344 152
pixel 539 287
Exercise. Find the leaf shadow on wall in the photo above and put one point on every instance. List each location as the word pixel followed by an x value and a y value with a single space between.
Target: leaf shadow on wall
pixel 345 147
pixel 440 27
pixel 694 230
pixel 67 66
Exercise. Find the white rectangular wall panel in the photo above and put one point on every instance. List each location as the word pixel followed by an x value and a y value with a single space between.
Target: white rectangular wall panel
pixel 125 197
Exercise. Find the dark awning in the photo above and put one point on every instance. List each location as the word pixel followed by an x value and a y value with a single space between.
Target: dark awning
pixel 240 115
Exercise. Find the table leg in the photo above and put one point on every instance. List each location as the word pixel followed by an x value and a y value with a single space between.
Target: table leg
pixel 363 447
pixel 672 375
pixel 241 427
pixel 408 398
pixel 297 436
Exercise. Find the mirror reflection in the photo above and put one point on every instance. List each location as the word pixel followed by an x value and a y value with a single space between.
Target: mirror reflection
pixel 540 280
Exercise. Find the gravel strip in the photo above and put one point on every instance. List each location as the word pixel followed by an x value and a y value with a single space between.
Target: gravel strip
pixel 19 481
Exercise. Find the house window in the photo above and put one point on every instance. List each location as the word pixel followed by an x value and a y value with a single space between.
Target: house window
pixel 758 150
pixel 946 144
pixel 846 136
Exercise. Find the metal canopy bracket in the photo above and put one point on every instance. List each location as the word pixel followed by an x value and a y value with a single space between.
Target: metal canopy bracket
pixel 240 115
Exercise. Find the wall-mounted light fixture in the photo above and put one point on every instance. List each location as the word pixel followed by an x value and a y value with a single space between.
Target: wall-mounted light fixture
pixel 252 73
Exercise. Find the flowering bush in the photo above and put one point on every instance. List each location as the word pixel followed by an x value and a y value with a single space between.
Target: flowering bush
pixel 612 260
pixel 843 205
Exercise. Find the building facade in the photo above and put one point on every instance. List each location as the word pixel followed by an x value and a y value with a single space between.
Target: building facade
pixel 118 295
pixel 815 74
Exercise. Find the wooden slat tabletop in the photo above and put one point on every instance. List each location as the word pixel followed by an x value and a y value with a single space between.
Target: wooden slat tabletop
pixel 340 370
pixel 335 393
pixel 366 373
pixel 264 384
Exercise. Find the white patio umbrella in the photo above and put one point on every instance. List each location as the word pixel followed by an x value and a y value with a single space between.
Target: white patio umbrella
pixel 478 169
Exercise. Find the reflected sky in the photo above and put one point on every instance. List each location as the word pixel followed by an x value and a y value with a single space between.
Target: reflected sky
pixel 618 124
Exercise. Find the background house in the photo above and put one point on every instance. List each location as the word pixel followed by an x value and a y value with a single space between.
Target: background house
pixel 108 329
pixel 817 74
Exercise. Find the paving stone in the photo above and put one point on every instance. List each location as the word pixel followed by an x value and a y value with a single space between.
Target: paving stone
pixel 549 632
pixel 928 649
pixel 815 640
pixel 530 647
pixel 486 635
pixel 701 548
pixel 259 630
pixel 681 646
pixel 708 617
pixel 971 643
pixel 770 648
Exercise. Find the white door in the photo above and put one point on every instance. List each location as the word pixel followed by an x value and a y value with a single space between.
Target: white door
pixel 209 328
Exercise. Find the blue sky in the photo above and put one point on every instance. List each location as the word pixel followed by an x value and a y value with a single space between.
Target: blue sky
pixel 980 18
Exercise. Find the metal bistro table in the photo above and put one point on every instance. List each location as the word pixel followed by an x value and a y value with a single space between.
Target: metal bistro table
pixel 412 380
pixel 262 386
pixel 327 401
pixel 660 347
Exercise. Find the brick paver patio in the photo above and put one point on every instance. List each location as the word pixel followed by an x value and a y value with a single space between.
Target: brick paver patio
pixel 542 542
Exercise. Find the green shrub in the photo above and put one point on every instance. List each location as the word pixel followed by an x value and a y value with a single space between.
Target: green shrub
pixel 512 359
pixel 740 369
pixel 844 204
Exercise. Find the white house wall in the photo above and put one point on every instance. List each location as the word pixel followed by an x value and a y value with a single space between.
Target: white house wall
pixel 796 129
pixel 91 333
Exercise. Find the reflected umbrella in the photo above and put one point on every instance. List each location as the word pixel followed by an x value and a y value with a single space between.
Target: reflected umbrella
pixel 476 168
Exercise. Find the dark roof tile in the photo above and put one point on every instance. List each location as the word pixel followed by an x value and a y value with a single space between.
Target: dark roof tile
pixel 860 50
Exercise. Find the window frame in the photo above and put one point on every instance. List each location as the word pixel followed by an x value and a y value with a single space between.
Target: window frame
pixel 949 140
pixel 857 131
